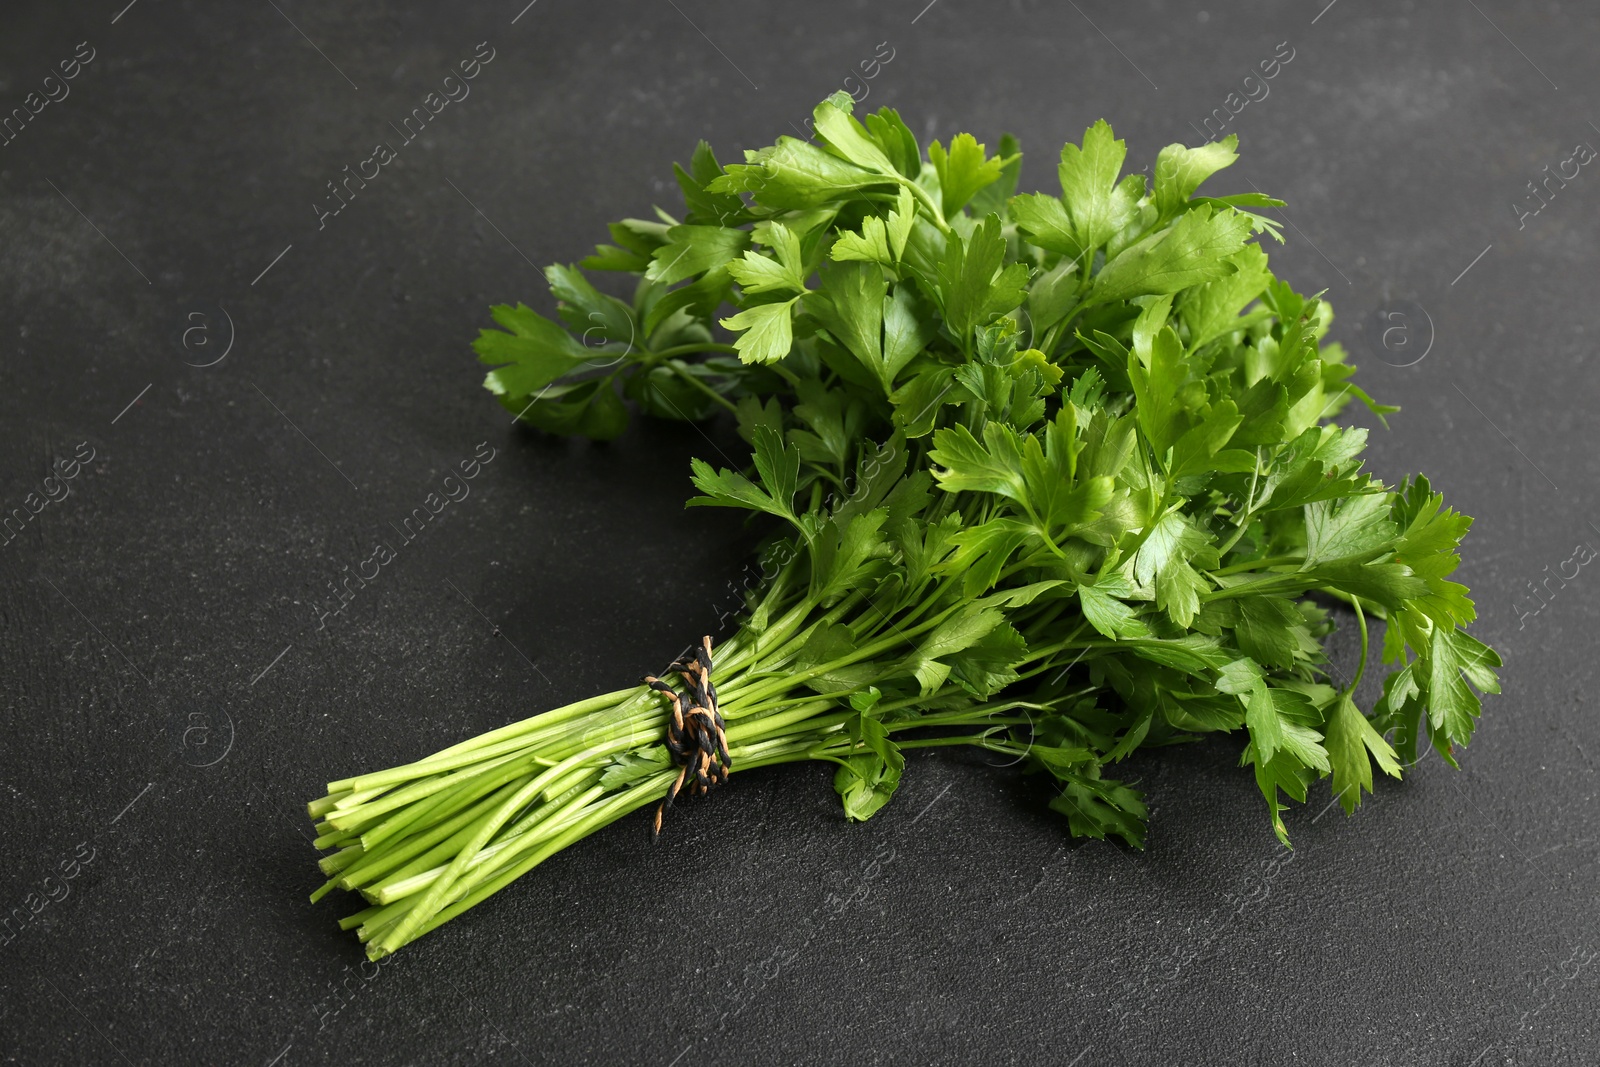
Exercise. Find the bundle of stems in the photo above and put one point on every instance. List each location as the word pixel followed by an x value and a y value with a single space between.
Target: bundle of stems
pixel 427 841
pixel 1049 476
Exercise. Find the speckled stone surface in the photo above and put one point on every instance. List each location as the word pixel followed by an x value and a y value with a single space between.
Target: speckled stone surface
pixel 170 702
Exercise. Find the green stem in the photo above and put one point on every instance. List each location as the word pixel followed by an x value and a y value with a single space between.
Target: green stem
pixel 946 742
pixel 695 349
pixel 935 212
pixel 1260 564
pixel 677 367
pixel 1285 583
pixel 1249 509
pixel 868 651
pixel 526 726
pixel 1361 666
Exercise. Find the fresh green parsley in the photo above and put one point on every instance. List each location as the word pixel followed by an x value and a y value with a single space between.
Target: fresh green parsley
pixel 1048 475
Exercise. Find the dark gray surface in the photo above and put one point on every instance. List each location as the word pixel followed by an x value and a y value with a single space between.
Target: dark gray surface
pixel 1450 922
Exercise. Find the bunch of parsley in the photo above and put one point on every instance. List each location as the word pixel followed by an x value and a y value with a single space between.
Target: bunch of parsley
pixel 1046 475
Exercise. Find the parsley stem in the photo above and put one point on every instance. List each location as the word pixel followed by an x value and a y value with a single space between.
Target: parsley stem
pixel 865 652
pixel 977 740
pixel 695 349
pixel 1272 583
pixel 1260 564
pixel 677 367
pixel 1249 510
pixel 935 212
pixel 1361 665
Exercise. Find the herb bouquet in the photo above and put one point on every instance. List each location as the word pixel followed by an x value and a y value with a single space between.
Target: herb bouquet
pixel 1046 475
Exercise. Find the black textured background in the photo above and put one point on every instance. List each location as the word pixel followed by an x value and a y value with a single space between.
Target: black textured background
pixel 169 703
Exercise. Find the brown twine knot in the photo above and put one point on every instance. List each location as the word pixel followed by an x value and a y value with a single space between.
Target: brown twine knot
pixel 696 734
